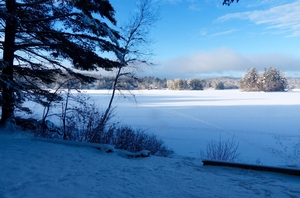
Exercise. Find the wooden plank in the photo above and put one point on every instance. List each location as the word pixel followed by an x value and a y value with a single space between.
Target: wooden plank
pixel 290 171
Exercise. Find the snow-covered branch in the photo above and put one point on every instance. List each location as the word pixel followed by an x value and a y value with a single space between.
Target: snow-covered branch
pixel 32 3
pixel 49 18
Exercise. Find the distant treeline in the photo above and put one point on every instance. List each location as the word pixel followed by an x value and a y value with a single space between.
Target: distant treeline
pixel 150 82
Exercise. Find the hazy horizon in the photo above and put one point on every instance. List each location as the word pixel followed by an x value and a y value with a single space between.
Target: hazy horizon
pixel 208 39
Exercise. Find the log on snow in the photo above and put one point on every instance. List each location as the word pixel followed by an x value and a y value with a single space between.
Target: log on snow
pixel 290 171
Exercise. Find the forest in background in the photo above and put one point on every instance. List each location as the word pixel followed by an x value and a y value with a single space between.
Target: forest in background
pixel 150 82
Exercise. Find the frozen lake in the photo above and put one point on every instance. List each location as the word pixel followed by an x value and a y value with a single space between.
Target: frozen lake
pixel 266 125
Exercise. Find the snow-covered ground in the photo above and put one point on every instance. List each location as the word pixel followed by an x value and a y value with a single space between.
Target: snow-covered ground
pixel 32 169
pixel 266 125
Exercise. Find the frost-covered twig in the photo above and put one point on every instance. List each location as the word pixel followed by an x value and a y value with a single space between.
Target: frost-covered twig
pixel 221 150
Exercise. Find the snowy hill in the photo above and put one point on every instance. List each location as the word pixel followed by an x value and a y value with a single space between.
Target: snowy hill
pixel 40 169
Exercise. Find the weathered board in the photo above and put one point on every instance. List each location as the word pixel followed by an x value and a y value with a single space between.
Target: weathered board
pixel 290 171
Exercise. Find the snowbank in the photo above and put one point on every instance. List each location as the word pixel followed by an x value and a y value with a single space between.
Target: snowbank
pixel 39 169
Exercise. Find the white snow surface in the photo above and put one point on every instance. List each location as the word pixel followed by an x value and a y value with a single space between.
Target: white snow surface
pixel 266 125
pixel 39 169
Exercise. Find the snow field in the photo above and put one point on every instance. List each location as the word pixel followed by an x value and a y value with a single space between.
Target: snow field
pixel 33 169
pixel 266 125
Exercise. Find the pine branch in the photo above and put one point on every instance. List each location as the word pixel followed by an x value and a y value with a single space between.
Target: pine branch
pixel 31 3
pixel 228 2
pixel 28 45
pixel 49 18
pixel 43 57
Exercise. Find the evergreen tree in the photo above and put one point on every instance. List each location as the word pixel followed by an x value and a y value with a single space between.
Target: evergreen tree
pixel 38 35
pixel 220 86
pixel 270 80
pixel 274 80
pixel 250 80
pixel 194 84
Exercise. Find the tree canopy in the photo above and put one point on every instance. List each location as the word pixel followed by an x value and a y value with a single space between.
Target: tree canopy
pixel 38 37
pixel 228 2
pixel 270 80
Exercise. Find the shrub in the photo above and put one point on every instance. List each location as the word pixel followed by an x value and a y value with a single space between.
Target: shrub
pixel 221 150
pixel 126 138
pixel 84 122
pixel 83 125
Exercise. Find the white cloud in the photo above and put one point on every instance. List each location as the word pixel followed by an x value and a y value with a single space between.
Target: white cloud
pixel 168 1
pixel 283 17
pixel 258 3
pixel 224 62
pixel 223 33
pixel 193 5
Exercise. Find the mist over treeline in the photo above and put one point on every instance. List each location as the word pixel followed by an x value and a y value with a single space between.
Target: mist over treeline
pixel 150 82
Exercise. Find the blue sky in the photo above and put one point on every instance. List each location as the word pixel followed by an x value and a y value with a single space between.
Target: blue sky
pixel 202 38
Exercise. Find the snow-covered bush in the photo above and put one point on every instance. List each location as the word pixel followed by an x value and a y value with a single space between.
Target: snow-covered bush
pixel 127 138
pixel 84 124
pixel 221 150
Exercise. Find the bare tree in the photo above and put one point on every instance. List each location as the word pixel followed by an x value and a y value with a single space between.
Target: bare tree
pixel 134 42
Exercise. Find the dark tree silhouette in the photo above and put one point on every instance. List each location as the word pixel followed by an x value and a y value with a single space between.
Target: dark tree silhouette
pixel 228 2
pixel 37 37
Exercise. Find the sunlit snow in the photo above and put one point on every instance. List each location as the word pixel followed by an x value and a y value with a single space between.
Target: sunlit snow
pixel 266 125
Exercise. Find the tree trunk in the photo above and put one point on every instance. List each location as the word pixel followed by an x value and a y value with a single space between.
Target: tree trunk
pixel 112 96
pixel 8 100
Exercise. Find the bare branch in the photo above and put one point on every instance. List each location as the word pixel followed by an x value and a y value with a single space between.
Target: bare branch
pixel 135 37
